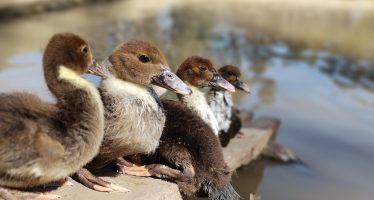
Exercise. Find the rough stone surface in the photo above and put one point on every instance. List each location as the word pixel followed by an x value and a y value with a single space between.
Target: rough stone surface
pixel 241 151
pixel 141 188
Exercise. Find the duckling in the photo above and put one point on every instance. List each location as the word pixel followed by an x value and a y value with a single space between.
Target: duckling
pixel 220 101
pixel 189 150
pixel 134 116
pixel 200 74
pixel 43 142
pixel 191 155
pixel 229 121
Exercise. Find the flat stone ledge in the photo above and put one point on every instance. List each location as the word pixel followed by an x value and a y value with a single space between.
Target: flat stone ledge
pixel 141 188
pixel 243 150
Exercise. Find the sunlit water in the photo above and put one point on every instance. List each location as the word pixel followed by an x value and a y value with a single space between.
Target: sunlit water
pixel 323 93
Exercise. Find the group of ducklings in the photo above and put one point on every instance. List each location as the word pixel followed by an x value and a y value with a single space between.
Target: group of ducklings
pixel 127 122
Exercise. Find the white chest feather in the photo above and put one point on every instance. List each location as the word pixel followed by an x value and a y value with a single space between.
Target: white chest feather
pixel 197 102
pixel 221 104
pixel 128 92
pixel 134 120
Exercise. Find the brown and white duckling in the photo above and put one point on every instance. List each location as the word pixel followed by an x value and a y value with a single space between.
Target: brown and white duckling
pixel 189 150
pixel 191 155
pixel 227 115
pixel 43 142
pixel 199 73
pixel 220 101
pixel 134 117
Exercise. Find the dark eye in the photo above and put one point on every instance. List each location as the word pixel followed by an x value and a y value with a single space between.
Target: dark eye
pixel 144 58
pixel 203 68
pixel 230 73
pixel 85 49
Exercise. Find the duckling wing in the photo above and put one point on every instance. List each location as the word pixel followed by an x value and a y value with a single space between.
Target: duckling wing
pixel 236 123
pixel 190 144
pixel 186 130
pixel 235 126
pixel 24 124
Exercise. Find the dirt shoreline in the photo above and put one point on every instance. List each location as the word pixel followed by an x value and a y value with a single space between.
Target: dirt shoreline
pixel 21 8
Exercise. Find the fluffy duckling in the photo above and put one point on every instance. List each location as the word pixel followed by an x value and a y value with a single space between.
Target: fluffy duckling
pixel 191 155
pixel 200 74
pixel 189 150
pixel 43 142
pixel 228 118
pixel 134 116
pixel 220 101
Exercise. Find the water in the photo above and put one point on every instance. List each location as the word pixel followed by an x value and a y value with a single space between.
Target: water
pixel 308 64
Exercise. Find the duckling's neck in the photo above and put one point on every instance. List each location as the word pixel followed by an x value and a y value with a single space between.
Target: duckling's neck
pixel 197 102
pixel 220 98
pixel 130 92
pixel 80 109
pixel 71 85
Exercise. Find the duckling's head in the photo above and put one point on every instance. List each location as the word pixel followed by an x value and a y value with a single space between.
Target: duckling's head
pixel 68 50
pixel 143 63
pixel 232 74
pixel 200 72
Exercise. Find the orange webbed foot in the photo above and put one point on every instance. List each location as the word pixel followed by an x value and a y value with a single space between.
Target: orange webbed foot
pixel 93 182
pixel 129 168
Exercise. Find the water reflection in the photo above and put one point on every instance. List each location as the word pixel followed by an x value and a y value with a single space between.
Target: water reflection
pixel 249 182
pixel 345 72
pixel 310 78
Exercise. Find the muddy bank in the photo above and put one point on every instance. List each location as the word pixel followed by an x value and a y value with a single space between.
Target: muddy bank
pixel 20 8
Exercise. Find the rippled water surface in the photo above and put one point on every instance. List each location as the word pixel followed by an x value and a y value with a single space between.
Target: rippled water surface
pixel 309 64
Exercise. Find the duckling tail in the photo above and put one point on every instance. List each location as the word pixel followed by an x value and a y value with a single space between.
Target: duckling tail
pixel 226 192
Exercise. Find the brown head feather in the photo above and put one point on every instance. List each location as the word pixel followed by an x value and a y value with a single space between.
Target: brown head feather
pixel 230 73
pixel 196 71
pixel 137 61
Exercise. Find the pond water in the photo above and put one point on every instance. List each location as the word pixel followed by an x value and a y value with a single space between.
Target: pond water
pixel 308 64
